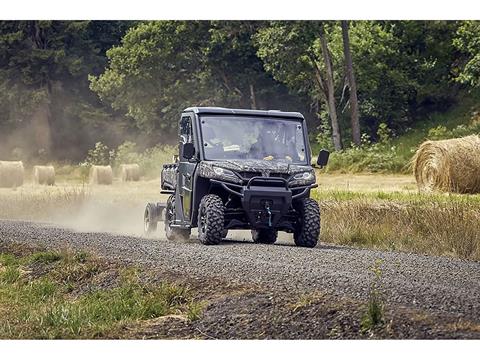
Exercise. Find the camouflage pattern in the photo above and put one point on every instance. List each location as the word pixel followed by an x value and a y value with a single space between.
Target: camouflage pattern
pixel 264 168
pixel 169 176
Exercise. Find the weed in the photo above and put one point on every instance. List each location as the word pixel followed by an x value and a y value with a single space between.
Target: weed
pixel 374 314
pixel 304 300
pixel 7 259
pixel 194 310
pixel 9 275
pixel 45 257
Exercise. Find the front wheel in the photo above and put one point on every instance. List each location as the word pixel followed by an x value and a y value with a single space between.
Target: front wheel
pixel 307 229
pixel 210 220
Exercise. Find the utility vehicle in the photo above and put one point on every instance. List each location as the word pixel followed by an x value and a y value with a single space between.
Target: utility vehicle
pixel 239 169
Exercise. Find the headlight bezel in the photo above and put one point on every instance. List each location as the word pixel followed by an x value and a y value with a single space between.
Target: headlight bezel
pixel 303 178
pixel 218 173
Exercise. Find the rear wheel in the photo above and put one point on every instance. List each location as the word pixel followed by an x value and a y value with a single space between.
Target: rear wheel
pixel 210 220
pixel 308 225
pixel 150 219
pixel 173 233
pixel 264 236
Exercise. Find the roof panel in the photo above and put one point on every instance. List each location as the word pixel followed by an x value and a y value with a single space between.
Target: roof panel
pixel 226 111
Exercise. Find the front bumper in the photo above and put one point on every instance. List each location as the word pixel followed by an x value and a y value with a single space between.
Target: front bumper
pixel 266 200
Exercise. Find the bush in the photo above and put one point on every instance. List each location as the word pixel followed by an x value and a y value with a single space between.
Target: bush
pixel 373 158
pixel 99 155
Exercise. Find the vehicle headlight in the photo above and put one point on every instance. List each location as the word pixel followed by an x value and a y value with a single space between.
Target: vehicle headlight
pixel 303 178
pixel 214 172
pixel 223 172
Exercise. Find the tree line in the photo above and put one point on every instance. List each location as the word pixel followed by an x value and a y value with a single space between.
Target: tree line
pixel 65 85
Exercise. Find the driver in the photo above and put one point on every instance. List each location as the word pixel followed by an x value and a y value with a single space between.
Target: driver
pixel 269 146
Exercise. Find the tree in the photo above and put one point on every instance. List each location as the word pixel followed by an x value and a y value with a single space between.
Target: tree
pixel 329 89
pixel 352 84
pixel 467 41
pixel 297 54
pixel 163 67
pixel 43 75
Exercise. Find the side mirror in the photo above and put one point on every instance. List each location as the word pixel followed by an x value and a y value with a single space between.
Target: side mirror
pixel 188 151
pixel 323 158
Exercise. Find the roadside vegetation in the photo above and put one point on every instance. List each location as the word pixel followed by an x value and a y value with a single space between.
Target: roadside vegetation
pixel 391 152
pixel 430 224
pixel 374 315
pixel 51 295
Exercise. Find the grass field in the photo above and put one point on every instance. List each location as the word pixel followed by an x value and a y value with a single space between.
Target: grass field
pixel 365 210
pixel 52 295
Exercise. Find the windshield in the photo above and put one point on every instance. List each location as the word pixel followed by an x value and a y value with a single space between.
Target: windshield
pixel 236 138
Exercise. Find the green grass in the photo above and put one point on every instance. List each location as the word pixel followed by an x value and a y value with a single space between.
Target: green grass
pixel 374 315
pixel 64 300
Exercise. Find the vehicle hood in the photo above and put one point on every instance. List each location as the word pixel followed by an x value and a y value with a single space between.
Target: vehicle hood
pixel 265 167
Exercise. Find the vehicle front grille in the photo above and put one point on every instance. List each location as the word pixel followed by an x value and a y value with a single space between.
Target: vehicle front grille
pixel 249 174
pixel 280 175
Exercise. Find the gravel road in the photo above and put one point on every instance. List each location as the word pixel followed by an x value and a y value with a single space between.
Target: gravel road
pixel 438 288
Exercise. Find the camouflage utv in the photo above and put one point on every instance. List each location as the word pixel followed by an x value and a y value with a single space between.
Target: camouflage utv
pixel 240 169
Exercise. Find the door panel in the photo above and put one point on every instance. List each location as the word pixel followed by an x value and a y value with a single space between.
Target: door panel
pixel 186 170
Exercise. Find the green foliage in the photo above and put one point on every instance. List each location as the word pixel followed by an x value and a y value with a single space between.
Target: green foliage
pixel 369 157
pixel 374 314
pixel 46 257
pixel 43 79
pixel 324 137
pixel 150 160
pixel 467 42
pixel 9 275
pixel 442 132
pixel 105 79
pixel 43 307
pixel 126 154
pixel 384 134
pixel 99 155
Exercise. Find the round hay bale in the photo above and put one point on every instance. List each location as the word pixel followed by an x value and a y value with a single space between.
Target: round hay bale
pixel 130 172
pixel 448 165
pixel 101 175
pixel 44 175
pixel 11 174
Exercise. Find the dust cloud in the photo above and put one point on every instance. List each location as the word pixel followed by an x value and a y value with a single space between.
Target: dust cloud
pixel 105 216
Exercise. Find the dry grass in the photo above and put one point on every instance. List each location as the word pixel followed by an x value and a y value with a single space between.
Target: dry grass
pixel 366 182
pixel 448 165
pixel 12 174
pixel 383 212
pixel 423 225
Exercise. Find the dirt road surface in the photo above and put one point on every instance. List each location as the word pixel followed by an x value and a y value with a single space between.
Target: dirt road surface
pixel 282 291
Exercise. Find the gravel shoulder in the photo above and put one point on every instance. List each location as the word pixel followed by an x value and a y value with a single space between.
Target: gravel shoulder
pixel 281 291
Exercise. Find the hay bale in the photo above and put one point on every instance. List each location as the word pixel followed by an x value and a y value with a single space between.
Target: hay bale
pixel 448 165
pixel 130 172
pixel 102 175
pixel 11 173
pixel 44 175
